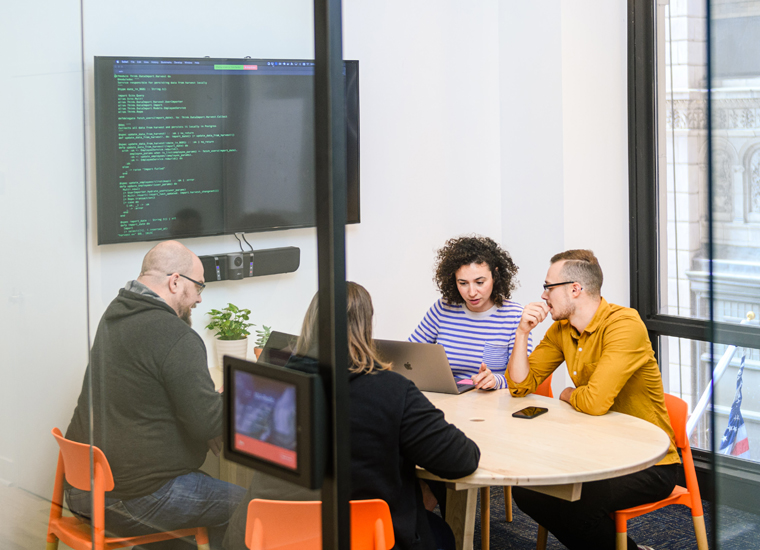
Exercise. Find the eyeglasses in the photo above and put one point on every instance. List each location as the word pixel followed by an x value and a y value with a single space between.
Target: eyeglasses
pixel 201 286
pixel 548 286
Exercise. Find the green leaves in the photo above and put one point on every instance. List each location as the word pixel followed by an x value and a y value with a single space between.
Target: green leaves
pixel 262 336
pixel 230 322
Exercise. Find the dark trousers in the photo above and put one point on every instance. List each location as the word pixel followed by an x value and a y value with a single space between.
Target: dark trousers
pixel 586 523
pixel 442 533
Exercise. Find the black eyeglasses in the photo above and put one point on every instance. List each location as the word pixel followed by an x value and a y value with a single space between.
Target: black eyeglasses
pixel 548 286
pixel 201 286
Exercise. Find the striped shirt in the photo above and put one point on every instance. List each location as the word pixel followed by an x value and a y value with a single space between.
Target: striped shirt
pixel 471 338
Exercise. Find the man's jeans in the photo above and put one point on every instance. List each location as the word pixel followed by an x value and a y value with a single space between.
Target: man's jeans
pixel 191 500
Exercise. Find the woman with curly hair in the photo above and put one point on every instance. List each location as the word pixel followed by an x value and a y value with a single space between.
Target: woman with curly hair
pixel 474 320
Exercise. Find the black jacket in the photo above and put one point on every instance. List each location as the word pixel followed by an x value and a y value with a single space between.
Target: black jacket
pixel 394 428
pixel 153 399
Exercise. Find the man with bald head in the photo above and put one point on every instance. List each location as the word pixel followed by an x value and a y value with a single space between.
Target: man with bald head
pixel 612 366
pixel 155 411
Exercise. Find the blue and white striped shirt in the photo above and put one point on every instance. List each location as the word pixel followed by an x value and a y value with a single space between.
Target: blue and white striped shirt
pixel 471 338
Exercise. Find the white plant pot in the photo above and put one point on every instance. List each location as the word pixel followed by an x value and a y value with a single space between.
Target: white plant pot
pixel 235 348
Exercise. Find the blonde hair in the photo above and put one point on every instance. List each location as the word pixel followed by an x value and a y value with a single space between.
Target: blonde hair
pixel 362 354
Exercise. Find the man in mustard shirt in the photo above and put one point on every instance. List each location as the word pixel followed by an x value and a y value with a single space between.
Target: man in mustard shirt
pixel 609 358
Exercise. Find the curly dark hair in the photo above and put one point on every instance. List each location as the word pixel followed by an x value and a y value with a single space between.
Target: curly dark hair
pixel 475 249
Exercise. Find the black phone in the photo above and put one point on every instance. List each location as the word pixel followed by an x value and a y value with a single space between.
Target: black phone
pixel 530 412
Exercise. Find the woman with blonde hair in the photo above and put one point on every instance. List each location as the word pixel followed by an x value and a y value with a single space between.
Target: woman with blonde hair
pixel 393 429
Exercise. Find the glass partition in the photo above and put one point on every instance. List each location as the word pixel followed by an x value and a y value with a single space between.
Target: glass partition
pixel 735 155
pixel 197 129
pixel 43 236
pixel 71 301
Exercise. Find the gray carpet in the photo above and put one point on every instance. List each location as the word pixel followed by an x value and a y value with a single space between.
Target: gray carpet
pixel 669 528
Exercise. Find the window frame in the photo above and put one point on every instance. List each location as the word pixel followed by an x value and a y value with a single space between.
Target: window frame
pixel 643 217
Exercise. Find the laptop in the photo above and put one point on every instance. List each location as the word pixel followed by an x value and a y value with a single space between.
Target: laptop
pixel 278 349
pixel 424 364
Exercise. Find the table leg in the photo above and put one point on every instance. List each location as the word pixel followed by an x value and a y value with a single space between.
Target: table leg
pixel 485 518
pixel 461 507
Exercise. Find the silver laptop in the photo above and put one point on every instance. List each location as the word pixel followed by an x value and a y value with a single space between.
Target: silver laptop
pixel 424 364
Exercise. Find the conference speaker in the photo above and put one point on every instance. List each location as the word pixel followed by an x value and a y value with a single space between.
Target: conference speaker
pixel 276 260
pixel 214 268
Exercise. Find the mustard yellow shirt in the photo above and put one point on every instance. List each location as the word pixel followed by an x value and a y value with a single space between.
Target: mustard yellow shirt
pixel 612 365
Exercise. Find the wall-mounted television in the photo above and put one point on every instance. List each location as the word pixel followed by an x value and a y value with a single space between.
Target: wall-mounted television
pixel 193 147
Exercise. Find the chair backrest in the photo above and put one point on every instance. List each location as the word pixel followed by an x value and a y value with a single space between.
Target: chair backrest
pixel 371 525
pixel 297 525
pixel 678 412
pixel 545 388
pixel 76 463
pixel 284 524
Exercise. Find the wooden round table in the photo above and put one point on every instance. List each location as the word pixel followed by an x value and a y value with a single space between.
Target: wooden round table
pixel 553 453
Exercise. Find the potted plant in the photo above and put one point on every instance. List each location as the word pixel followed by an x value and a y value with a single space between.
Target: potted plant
pixel 261 339
pixel 231 326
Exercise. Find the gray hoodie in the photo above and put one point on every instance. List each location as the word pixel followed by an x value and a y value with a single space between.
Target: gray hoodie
pixel 153 399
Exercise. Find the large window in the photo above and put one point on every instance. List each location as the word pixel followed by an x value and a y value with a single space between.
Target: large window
pixel 695 207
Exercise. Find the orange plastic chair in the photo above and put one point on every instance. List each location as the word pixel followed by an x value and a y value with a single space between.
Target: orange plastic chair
pixel 688 496
pixel 74 464
pixel 544 389
pixel 292 525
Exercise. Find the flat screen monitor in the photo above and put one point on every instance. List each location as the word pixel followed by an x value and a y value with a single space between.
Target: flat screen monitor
pixel 275 421
pixel 192 147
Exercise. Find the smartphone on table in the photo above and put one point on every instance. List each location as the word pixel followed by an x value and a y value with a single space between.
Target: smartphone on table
pixel 530 412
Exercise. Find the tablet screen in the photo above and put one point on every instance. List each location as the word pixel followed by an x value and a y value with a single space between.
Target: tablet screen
pixel 265 419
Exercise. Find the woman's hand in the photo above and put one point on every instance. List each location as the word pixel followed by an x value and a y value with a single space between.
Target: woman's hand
pixel 484 380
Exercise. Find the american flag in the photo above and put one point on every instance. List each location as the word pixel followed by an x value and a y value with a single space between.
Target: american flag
pixel 735 440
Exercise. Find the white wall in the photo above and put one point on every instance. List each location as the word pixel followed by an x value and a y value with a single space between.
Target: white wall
pixel 595 136
pixel 564 140
pixel 464 129
pixel 429 147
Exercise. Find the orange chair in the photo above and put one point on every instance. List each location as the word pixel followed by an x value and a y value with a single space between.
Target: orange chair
pixel 74 464
pixel 678 412
pixel 291 525
pixel 688 496
pixel 544 389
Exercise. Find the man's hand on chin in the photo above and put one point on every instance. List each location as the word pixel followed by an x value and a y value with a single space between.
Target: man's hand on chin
pixel 566 393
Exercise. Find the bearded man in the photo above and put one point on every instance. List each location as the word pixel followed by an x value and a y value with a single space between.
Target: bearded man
pixel 610 360
pixel 155 412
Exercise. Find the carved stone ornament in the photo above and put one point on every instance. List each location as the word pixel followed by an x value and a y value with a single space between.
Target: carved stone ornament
pixel 754 182
pixel 728 114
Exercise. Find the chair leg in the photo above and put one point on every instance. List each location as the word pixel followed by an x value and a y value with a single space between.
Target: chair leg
pixel 52 545
pixel 700 532
pixel 508 503
pixel 485 518
pixel 621 529
pixel 201 538
pixel 542 538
